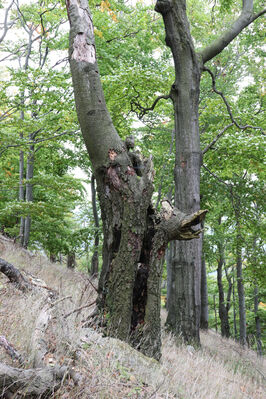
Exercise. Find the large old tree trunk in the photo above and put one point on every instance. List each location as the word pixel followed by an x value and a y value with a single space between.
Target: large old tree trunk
pixel 135 236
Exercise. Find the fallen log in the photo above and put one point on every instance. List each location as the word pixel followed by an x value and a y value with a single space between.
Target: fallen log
pixel 31 383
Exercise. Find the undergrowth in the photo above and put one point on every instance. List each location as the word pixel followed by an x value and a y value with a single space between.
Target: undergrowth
pixel 220 369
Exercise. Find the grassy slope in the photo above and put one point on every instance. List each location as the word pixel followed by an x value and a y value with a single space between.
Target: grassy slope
pixel 111 369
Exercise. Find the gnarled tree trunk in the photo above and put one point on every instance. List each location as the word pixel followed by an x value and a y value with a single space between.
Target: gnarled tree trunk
pixel 135 236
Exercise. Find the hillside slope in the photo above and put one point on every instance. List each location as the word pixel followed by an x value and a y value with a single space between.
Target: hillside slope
pixel 110 368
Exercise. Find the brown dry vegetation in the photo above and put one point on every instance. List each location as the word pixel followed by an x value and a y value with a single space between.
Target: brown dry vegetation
pixel 110 368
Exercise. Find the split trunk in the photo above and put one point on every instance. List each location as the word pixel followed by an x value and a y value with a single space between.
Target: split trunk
pixel 135 236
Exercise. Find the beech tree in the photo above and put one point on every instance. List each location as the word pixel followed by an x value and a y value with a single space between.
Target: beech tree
pixel 184 301
pixel 135 235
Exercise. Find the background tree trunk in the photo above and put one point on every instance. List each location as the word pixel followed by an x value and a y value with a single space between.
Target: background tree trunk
pixel 204 313
pixel 29 194
pixel 240 284
pixel 257 320
pixel 71 260
pixel 234 306
pixel 215 313
pixel 223 313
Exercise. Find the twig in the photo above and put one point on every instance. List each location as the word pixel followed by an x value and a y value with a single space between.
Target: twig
pixel 78 309
pixel 6 24
pixel 33 142
pixel 216 138
pixel 227 104
pixel 93 286
pixel 216 177
pixel 61 299
pixel 140 110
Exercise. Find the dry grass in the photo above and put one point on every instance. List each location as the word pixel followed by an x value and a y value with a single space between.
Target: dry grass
pixel 111 369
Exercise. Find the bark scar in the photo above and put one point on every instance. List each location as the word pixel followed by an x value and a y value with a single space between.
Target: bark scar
pixel 82 51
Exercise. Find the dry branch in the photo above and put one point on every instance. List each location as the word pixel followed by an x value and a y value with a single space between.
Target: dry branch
pixel 79 309
pixel 12 352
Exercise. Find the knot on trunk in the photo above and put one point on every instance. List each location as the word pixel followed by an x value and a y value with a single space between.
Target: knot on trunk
pixel 163 6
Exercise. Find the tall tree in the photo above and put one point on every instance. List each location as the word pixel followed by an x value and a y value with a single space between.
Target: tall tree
pixel 135 235
pixel 184 309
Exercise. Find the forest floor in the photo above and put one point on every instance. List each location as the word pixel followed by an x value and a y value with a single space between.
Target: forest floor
pixel 109 368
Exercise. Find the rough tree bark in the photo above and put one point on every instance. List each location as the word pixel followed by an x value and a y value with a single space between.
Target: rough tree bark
pixel 184 302
pixel 135 236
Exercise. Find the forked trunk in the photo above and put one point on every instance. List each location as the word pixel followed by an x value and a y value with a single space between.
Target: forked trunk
pixel 135 236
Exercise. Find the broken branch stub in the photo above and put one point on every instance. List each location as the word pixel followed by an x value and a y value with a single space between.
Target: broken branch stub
pixel 178 226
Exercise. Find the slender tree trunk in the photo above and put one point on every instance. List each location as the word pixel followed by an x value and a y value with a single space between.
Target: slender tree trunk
pixel 223 313
pixel 71 260
pixel 52 257
pixel 215 313
pixel 29 194
pixel 21 185
pixel 257 321
pixel 240 285
pixel 234 306
pixel 21 194
pixel 204 314
pixel 95 256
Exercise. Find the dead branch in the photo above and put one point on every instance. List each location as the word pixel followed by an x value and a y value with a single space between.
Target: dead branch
pixel 241 127
pixel 140 110
pixel 79 309
pixel 209 146
pixel 12 352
